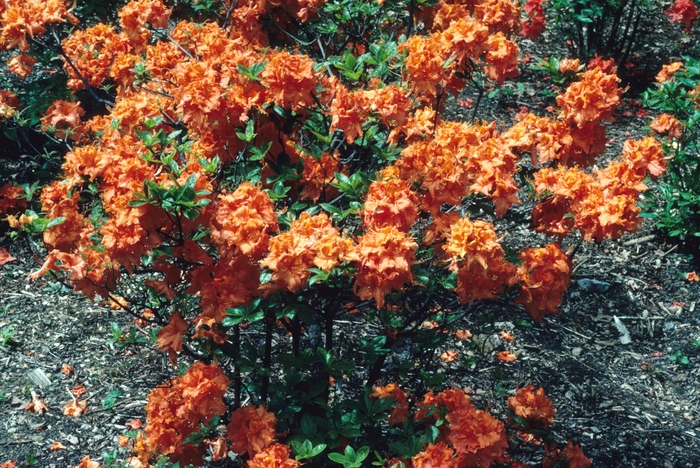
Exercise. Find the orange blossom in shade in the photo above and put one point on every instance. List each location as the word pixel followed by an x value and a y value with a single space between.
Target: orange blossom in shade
pixel 668 125
pixel 179 408
pixel 545 274
pixel 399 413
pixel 533 407
pixel 170 337
pixel 667 71
pixel 533 25
pixel 572 454
pixel 683 11
pixel 87 463
pixel 75 408
pixel 9 103
pixel 36 405
pixel 384 256
pixel 57 446
pixel 251 430
pixel 692 276
pixel 506 356
pixel 62 116
pixel 438 455
pixel 275 456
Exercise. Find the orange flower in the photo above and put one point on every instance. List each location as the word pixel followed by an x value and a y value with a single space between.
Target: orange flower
pixel 643 156
pixel 384 256
pixel 399 414
pixel 667 71
pixel 21 64
pixel 179 408
pixel 449 356
pixel 591 99
pixel 666 124
pixel 291 80
pixel 501 16
pixel 251 430
pixel 478 259
pixel 569 65
pixel 348 111
pixel 134 16
pixel 312 241
pixel 170 337
pixel 62 116
pixel 92 52
pixel 546 274
pixel 275 456
pixel 438 455
pixel 501 59
pixel 22 18
pixel 317 176
pixel 532 406
pixel 463 334
pixel 243 221
pixel 232 282
pixel 534 24
pixel 390 201
pixel 506 356
pixel 683 11
pixel 9 104
pixel 692 276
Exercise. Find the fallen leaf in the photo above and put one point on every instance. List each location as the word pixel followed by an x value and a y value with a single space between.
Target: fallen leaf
pixel 78 390
pixel 57 446
pixel 5 257
pixel 219 448
pixel 8 464
pixel 506 356
pixel 75 408
pixel 448 356
pixel 36 405
pixel 66 369
pixel 463 334
pixel 507 336
pixel 87 463
pixel 692 276
pixel 134 424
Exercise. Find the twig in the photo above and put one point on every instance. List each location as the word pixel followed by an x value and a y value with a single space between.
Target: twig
pixel 640 240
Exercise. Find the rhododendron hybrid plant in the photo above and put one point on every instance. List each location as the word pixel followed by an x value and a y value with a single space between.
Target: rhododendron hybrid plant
pixel 256 180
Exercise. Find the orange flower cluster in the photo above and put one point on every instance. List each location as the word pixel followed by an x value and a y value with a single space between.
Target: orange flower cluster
pixel 399 413
pixel 9 104
pixel 592 99
pixel 243 222
pixel 274 456
pixel 545 274
pixel 534 25
pixel 12 199
pixel 317 177
pixel 683 11
pixel 312 241
pixel 178 409
pixel 384 256
pixel 668 125
pixel 62 116
pixel 600 205
pixel 432 62
pixel 533 407
pixel 667 71
pixel 251 430
pixel 22 18
pixel 92 52
pixel 478 259
pixel 390 202
pixel 475 437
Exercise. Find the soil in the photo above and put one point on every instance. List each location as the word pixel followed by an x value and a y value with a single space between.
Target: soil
pixel 627 405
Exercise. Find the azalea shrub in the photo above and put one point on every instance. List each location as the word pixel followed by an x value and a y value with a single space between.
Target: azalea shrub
pixel 256 179
pixel 675 205
pixel 599 30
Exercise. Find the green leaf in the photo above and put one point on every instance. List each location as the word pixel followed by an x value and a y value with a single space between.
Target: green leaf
pixel 111 399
